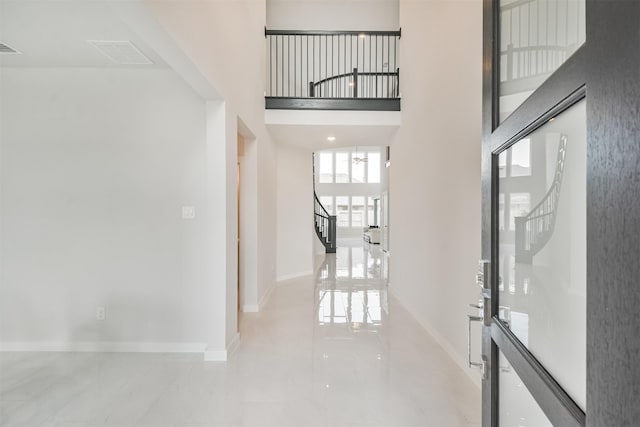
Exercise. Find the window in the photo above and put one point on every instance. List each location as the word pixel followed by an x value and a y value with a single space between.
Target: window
pixel 502 164
pixel 349 167
pixel 371 216
pixel 501 211
pixel 342 211
pixel 326 168
pixel 519 205
pixel 521 158
pixel 373 168
pixel 342 167
pixel 357 211
pixel 357 168
pixel 327 202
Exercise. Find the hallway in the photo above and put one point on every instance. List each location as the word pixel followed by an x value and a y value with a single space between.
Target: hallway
pixel 330 350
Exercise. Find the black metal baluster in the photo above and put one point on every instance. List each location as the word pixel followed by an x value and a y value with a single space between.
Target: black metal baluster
pixel 326 58
pixel 351 57
pixel 346 80
pixel 339 86
pixel 270 66
pixel 333 70
pixel 376 93
pixel 355 82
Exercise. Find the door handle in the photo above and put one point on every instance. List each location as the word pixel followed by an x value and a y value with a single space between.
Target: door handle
pixel 470 319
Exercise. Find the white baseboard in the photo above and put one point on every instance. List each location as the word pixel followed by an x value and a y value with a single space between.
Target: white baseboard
pixel 266 297
pixel 211 355
pixel 255 308
pixel 295 275
pixel 233 345
pixel 250 308
pixel 442 342
pixel 215 355
pixel 104 347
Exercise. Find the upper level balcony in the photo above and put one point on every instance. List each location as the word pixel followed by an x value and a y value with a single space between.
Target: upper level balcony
pixel 333 70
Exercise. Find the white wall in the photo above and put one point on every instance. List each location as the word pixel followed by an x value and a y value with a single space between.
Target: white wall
pixel 333 15
pixel 222 228
pixel 295 213
pixel 96 165
pixel 204 31
pixel 435 167
pixel 249 225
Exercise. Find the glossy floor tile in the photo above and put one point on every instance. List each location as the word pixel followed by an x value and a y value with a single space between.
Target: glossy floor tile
pixel 329 350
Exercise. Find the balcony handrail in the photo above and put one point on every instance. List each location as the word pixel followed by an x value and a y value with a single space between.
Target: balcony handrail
pixel 351 70
pixel 515 4
pixel 267 32
pixel 540 48
pixel 366 73
pixel 355 76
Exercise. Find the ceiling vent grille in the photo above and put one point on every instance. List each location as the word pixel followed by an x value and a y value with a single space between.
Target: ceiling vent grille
pixel 121 52
pixel 4 48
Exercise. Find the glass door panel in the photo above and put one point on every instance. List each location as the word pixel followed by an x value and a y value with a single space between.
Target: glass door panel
pixel 517 407
pixel 536 37
pixel 542 246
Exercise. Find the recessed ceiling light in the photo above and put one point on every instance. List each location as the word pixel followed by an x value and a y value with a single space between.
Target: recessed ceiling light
pixel 331 138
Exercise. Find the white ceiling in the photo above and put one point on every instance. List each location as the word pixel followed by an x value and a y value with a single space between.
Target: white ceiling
pixel 55 33
pixel 314 137
pixel 309 129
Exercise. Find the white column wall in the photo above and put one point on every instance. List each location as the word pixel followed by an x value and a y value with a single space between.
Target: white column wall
pixel 222 222
pixel 295 213
pixel 249 227
pixel 225 40
pixel 435 168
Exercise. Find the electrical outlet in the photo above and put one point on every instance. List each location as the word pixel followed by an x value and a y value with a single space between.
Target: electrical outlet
pixel 100 313
pixel 188 212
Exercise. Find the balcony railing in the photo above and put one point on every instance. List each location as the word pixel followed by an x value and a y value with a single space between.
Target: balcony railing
pixel 333 70
pixel 536 37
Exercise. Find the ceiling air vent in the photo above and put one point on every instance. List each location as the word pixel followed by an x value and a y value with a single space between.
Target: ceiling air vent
pixel 121 52
pixel 4 48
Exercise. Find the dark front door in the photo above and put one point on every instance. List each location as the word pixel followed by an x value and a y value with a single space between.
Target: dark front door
pixel 560 298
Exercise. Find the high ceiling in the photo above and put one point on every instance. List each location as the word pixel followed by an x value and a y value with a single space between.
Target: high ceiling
pixel 311 129
pixel 314 137
pixel 55 33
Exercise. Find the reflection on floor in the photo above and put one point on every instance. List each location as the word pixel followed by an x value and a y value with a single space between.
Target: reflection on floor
pixel 329 350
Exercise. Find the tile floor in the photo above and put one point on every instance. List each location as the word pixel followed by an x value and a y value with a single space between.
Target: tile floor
pixel 329 350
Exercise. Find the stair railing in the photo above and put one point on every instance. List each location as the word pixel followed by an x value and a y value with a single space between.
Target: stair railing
pixel 534 230
pixel 324 224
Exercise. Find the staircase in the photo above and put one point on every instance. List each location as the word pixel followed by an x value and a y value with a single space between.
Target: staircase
pixel 534 230
pixel 325 225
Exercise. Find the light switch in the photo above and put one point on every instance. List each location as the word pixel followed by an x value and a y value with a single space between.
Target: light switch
pixel 188 212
